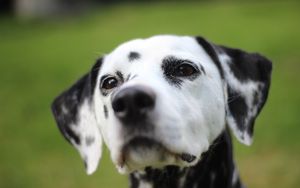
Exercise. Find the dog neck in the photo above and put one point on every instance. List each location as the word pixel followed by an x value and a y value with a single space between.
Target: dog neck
pixel 216 169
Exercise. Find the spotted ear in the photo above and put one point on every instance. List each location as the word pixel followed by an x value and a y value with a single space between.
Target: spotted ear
pixel 246 78
pixel 74 113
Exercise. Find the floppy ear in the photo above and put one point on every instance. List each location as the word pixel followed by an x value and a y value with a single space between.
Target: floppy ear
pixel 74 114
pixel 246 78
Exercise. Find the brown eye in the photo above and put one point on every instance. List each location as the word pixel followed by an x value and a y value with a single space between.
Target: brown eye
pixel 184 70
pixel 109 83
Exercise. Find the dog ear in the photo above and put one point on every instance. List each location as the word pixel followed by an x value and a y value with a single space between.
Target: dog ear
pixel 246 77
pixel 74 113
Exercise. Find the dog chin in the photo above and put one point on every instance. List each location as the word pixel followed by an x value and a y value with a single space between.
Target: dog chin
pixel 142 152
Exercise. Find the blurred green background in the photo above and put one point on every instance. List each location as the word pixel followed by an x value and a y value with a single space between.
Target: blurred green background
pixel 41 57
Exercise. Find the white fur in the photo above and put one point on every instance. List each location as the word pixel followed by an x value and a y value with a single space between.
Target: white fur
pixel 87 127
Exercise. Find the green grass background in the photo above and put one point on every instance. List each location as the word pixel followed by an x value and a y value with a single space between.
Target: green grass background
pixel 38 59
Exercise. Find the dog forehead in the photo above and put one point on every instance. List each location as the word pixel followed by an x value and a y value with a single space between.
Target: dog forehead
pixel 155 47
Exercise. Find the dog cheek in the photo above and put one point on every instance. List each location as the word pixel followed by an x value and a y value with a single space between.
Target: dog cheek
pixel 197 133
pixel 215 120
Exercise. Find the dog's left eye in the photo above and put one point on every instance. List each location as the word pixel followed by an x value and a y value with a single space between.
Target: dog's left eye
pixel 109 83
pixel 184 69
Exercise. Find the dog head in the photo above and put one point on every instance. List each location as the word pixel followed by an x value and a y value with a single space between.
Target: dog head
pixel 162 101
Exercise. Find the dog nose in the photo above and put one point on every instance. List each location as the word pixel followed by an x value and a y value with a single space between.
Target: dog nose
pixel 133 103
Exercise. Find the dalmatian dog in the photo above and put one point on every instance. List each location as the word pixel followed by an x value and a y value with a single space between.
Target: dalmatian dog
pixel 165 107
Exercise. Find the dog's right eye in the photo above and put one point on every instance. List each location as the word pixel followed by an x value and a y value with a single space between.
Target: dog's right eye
pixel 109 83
pixel 184 70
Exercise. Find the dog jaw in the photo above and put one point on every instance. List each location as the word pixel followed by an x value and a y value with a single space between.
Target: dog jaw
pixel 142 152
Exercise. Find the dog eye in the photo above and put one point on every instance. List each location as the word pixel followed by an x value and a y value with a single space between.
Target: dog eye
pixel 184 70
pixel 109 83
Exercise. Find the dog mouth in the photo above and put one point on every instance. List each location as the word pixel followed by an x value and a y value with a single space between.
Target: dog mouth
pixel 144 151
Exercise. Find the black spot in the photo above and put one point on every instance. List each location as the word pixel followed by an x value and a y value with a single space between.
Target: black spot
pixel 128 77
pixel 256 98
pixel 94 73
pixel 134 182
pixel 89 140
pixel 133 56
pixel 248 66
pixel 120 75
pixel 202 69
pixel 68 131
pixel 211 52
pixel 238 108
pixel 105 110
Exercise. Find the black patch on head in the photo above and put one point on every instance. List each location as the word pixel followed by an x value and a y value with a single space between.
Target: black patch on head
pixel 133 56
pixel 247 66
pixel 105 110
pixel 211 52
pixel 169 66
pixel 89 140
pixel 94 73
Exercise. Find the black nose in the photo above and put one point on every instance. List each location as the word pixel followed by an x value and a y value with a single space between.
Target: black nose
pixel 132 104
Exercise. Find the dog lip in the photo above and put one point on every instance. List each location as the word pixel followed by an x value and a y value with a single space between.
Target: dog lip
pixel 142 142
pixel 146 142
